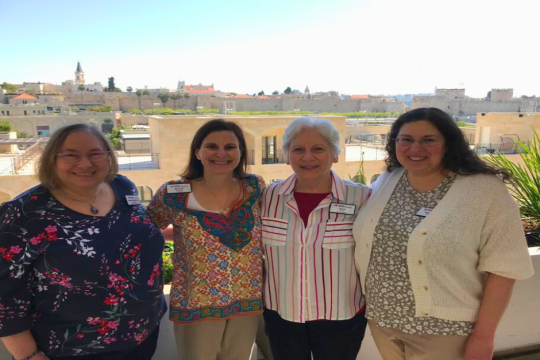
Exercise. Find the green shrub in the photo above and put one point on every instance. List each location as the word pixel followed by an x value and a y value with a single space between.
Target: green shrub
pixel 291 112
pixel 135 111
pixel 525 179
pixel 208 111
pixel 5 126
pixel 364 115
pixel 167 262
pixel 22 135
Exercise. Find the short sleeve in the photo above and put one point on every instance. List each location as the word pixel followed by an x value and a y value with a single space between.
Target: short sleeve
pixel 503 249
pixel 161 214
pixel 261 183
pixel 17 253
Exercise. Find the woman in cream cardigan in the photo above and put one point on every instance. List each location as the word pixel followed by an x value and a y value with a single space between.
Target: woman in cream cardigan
pixel 439 245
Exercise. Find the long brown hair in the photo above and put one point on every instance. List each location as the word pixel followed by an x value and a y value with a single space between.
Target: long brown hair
pixel 195 169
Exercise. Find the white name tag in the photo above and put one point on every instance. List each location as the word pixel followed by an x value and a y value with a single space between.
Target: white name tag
pixel 133 200
pixel 423 212
pixel 342 209
pixel 178 188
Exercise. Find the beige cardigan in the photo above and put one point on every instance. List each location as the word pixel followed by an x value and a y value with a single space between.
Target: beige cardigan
pixel 475 229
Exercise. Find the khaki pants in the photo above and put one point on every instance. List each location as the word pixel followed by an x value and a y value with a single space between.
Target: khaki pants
pixel 217 340
pixel 397 345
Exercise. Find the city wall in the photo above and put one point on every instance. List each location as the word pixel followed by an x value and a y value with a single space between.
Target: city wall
pixel 128 101
pixel 465 106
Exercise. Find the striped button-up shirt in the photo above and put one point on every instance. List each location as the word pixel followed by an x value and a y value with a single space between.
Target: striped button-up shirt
pixel 310 272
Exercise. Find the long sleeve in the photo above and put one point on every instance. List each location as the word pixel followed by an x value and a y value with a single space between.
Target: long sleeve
pixel 17 253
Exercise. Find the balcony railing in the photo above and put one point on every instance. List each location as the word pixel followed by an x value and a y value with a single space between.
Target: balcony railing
pixel 276 157
pixel 138 162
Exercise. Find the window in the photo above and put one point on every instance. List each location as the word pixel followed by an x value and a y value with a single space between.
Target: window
pixel 7 112
pixel 43 131
pixel 2 112
pixel 145 194
pixel 25 112
pixel 269 150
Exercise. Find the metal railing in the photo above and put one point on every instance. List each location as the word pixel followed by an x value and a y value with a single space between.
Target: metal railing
pixel 275 158
pixel 138 162
pixel 29 155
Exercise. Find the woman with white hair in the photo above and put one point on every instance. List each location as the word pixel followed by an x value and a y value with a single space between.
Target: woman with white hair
pixel 312 295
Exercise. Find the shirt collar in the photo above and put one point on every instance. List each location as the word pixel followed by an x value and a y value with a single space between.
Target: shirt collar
pixel 338 186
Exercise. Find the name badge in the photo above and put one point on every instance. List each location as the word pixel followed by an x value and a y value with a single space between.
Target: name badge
pixel 133 200
pixel 342 209
pixel 423 212
pixel 178 188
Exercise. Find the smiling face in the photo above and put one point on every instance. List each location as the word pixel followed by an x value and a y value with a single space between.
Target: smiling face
pixel 310 156
pixel 219 153
pixel 417 159
pixel 83 175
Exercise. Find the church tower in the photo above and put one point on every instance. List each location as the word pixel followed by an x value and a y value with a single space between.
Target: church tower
pixel 306 92
pixel 79 75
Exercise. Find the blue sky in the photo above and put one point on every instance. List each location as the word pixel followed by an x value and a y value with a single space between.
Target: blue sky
pixel 354 47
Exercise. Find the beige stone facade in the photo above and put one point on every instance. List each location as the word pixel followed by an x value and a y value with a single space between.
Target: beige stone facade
pixel 492 125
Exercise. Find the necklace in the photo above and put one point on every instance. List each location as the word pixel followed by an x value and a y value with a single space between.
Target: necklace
pixel 223 210
pixel 94 210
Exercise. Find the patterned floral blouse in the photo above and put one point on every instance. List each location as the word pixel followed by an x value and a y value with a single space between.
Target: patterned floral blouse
pixel 217 258
pixel 82 284
pixel 390 298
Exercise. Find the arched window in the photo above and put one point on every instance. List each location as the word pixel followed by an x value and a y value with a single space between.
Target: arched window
pixel 145 194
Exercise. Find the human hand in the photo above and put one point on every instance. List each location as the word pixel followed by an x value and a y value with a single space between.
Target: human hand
pixel 479 348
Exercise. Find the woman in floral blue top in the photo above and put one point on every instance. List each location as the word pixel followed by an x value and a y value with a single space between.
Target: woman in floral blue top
pixel 80 261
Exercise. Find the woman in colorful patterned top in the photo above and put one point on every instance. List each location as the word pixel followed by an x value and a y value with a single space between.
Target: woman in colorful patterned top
pixel 313 302
pixel 439 245
pixel 217 281
pixel 80 261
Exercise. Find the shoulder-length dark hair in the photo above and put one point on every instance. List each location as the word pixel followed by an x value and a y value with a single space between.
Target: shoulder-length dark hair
pixel 458 156
pixel 46 170
pixel 195 169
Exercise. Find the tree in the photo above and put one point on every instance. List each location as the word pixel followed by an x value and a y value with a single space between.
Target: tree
pixel 129 89
pixel 164 97
pixel 275 93
pixel 117 90
pixel 81 87
pixel 139 93
pixel 288 90
pixel 111 85
pixel 186 95
pixel 8 87
pixel 261 93
pixel 175 97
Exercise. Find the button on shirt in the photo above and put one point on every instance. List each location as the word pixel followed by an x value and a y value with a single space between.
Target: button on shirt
pixel 310 272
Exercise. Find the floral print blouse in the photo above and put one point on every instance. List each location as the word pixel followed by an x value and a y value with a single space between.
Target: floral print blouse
pixel 82 284
pixel 217 256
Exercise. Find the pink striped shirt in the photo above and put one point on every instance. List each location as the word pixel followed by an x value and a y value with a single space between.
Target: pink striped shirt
pixel 310 272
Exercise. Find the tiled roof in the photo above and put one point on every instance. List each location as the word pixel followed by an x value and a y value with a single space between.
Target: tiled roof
pixel 25 97
pixel 358 97
pixel 263 97
pixel 200 91
pixel 242 96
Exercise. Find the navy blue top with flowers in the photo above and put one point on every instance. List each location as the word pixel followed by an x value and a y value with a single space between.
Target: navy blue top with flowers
pixel 82 284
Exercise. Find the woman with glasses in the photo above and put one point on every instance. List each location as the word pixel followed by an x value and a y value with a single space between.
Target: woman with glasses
pixel 80 260
pixel 439 245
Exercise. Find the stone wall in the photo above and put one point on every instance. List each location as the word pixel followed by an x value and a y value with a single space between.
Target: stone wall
pixel 127 101
pixel 465 106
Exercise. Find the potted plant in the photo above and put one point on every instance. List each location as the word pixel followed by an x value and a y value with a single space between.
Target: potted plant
pixel 525 185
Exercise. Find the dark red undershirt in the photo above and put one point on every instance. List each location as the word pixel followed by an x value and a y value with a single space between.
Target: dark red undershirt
pixel 307 202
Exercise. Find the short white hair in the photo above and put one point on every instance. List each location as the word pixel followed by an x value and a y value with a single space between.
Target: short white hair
pixel 324 127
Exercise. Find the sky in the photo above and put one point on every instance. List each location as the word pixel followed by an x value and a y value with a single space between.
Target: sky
pixel 246 46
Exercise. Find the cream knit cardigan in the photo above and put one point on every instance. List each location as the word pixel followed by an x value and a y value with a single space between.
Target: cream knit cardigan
pixel 474 230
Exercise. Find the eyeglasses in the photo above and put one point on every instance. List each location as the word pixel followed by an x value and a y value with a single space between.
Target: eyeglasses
pixel 71 157
pixel 427 142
